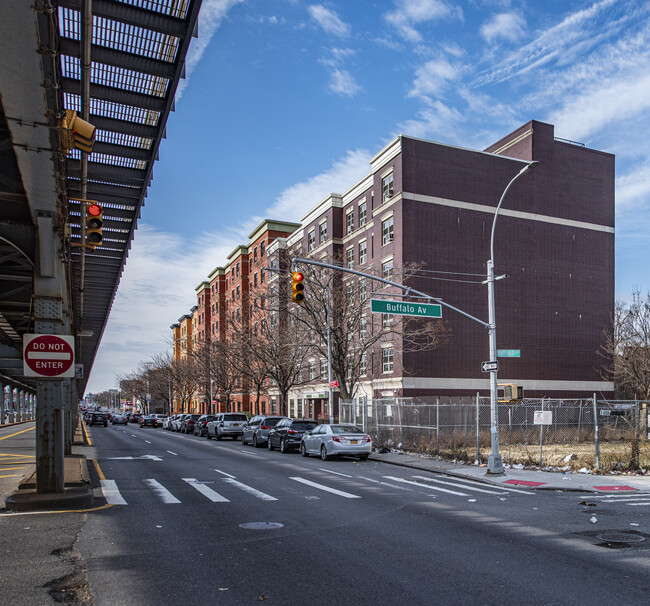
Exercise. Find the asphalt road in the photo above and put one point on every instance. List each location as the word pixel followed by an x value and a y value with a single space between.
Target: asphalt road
pixel 339 531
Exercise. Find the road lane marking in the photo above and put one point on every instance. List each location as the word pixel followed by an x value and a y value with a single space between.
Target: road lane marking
pixel 215 497
pixel 147 441
pixel 499 492
pixel 385 483
pixel 506 488
pixel 11 435
pixel 346 495
pixel 111 493
pixel 250 490
pixel 161 491
pixel 338 473
pixel 460 494
pixel 224 473
pixel 173 453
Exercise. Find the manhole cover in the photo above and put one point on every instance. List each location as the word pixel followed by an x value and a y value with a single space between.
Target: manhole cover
pixel 620 537
pixel 261 525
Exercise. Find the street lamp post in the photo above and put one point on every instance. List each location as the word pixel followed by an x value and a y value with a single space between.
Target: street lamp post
pixel 495 461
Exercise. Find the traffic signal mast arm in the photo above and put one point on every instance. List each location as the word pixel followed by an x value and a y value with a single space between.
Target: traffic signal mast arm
pixel 408 290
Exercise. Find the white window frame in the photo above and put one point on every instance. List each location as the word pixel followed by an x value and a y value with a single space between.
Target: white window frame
pixel 322 232
pixel 311 239
pixel 363 252
pixel 387 230
pixel 387 186
pixel 363 213
pixel 349 221
pixel 349 257
pixel 387 360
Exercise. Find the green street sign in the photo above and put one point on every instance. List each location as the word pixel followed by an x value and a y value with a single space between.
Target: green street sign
pixel 509 353
pixel 423 310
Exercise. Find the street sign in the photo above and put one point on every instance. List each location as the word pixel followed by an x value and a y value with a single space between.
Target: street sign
pixel 489 366
pixel 50 356
pixel 422 310
pixel 334 383
pixel 508 353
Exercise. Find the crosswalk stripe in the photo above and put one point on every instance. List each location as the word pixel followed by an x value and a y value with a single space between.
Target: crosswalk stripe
pixel 341 493
pixel 250 490
pixel 507 488
pixel 460 494
pixel 111 493
pixel 617 497
pixel 161 491
pixel 215 497
pixel 466 487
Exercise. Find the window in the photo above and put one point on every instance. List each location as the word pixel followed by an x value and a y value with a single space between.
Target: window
pixel 363 328
pixel 262 249
pixel 233 294
pixel 262 276
pixel 363 365
pixel 262 301
pixel 311 240
pixel 363 252
pixel 232 272
pixel 387 359
pixel 255 279
pixel 349 222
pixel 362 214
pixel 349 257
pixel 363 289
pixel 387 231
pixel 387 187
pixel 386 320
pixel 255 254
pixel 238 292
pixel 312 370
pixel 322 232
pixel 387 270
pixel 237 268
pixel 323 368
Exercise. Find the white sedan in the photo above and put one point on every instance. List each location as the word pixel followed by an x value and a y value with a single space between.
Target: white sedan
pixel 329 440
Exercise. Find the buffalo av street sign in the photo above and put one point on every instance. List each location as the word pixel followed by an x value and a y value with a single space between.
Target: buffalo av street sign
pixel 49 356
pixel 423 310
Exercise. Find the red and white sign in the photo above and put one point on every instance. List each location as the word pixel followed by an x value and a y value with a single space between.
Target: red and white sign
pixel 48 356
pixel 334 383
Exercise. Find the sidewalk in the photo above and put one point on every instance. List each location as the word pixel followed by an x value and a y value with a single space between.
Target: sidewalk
pixel 529 478
pixel 77 492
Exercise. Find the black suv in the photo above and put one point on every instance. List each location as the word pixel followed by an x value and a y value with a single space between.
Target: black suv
pixel 187 424
pixel 98 418
pixel 286 435
pixel 201 425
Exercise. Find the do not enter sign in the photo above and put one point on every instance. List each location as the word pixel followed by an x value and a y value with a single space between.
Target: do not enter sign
pixel 48 356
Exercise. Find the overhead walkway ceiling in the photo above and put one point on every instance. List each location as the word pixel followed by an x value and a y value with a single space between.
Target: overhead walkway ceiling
pixel 137 59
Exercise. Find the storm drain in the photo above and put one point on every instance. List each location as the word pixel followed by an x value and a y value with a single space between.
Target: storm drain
pixel 261 525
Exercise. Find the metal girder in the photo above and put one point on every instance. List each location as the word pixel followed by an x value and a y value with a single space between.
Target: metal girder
pixel 116 95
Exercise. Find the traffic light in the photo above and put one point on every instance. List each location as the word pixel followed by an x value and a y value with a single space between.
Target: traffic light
pixel 511 392
pixel 297 287
pixel 94 223
pixel 76 132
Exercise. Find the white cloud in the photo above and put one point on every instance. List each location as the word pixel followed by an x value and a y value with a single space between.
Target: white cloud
pixel 633 188
pixel 409 13
pixel 296 201
pixel 432 78
pixel 329 20
pixel 437 122
pixel 212 13
pixel 507 26
pixel 343 83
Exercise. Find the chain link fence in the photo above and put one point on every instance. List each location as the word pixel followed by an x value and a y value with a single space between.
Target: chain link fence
pixel 570 434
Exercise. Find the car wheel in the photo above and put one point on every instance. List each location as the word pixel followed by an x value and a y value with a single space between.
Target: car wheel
pixel 283 446
pixel 303 450
pixel 256 444
pixel 243 440
pixel 207 435
pixel 268 444
pixel 363 457
pixel 323 453
pixel 217 436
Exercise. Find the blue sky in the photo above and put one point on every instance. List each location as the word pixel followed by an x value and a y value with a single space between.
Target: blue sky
pixel 287 100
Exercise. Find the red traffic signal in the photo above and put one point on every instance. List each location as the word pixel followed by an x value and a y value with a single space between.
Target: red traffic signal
pixel 94 223
pixel 297 287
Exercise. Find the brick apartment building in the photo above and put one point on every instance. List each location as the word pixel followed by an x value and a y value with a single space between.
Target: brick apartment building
pixel 433 205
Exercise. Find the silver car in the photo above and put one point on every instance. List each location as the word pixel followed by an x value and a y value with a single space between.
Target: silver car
pixel 256 431
pixel 227 424
pixel 330 440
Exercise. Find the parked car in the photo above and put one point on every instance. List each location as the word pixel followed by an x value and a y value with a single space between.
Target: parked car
pixel 187 424
pixel 256 431
pixel 330 440
pixel 148 421
pixel 161 419
pixel 200 427
pixel 98 418
pixel 135 417
pixel 227 425
pixel 176 423
pixel 167 423
pixel 287 434
pixel 119 420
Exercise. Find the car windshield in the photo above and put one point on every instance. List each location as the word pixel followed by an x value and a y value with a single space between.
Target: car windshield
pixel 195 417
pixel 272 422
pixel 346 429
pixel 235 417
pixel 303 426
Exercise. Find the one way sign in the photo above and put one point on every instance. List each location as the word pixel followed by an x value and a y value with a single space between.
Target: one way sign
pixel 489 366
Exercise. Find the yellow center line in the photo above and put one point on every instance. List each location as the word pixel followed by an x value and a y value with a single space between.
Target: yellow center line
pixel 16 475
pixel 12 468
pixel 83 425
pixel 11 435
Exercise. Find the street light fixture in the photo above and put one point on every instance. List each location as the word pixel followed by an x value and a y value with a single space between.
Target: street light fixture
pixel 495 461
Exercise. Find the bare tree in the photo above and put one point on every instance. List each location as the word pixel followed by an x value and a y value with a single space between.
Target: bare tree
pixel 626 347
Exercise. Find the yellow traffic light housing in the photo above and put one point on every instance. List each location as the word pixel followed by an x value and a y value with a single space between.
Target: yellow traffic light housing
pixel 509 392
pixel 297 287
pixel 76 133
pixel 94 224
